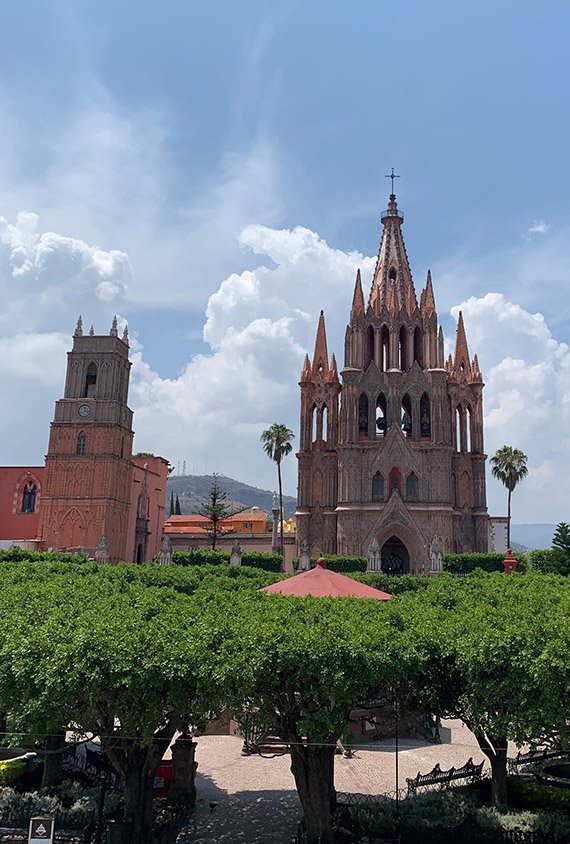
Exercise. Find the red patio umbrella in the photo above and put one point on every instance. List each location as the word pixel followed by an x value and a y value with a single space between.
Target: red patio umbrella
pixel 322 583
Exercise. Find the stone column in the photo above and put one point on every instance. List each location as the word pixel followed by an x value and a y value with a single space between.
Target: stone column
pixel 182 786
pixel 235 555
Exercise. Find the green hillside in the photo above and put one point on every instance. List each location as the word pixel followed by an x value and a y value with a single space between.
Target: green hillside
pixel 193 489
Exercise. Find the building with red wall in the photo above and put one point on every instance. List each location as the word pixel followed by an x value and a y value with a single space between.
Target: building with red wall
pixel 92 491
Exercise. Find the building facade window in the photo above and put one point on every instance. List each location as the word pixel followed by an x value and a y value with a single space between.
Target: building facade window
pixel 81 443
pixel 29 498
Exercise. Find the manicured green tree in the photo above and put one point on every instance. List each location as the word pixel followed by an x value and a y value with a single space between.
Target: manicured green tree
pixel 499 636
pixel 301 665
pixel 276 442
pixel 561 538
pixel 177 510
pixel 118 662
pixel 508 465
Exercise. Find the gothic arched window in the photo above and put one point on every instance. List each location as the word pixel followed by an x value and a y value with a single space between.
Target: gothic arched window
pixel 384 349
pixel 425 416
pixel 412 487
pixel 363 415
pixel 419 347
pixel 403 349
pixel 29 498
pixel 395 481
pixel 81 443
pixel 378 487
pixel 406 416
pixel 90 380
pixel 369 350
pixel 381 419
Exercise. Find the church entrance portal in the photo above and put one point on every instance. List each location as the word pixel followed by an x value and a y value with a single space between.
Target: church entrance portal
pixel 395 557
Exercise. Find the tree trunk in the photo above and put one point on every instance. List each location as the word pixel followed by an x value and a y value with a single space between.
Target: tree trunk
pixel 53 761
pixel 313 769
pixel 495 749
pixel 281 512
pixel 509 520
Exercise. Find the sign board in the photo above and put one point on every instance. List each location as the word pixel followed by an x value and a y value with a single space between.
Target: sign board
pixel 41 831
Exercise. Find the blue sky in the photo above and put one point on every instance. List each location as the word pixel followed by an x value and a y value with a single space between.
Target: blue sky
pixel 214 173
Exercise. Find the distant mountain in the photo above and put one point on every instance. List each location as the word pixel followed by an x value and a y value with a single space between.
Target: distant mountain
pixel 192 490
pixel 534 535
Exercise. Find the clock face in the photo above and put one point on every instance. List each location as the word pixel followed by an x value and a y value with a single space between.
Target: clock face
pixel 84 410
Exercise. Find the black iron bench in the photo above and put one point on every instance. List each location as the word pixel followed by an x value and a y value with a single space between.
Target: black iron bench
pixel 443 779
pixel 531 759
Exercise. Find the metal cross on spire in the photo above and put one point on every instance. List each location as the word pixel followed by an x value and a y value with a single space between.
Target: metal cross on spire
pixel 392 176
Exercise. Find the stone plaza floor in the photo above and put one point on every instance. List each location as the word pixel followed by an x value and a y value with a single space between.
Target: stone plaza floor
pixel 252 800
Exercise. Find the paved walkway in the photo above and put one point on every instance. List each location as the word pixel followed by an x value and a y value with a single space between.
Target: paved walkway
pixel 251 800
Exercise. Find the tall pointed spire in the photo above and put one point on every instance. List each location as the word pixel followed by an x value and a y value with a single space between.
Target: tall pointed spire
pixel 392 285
pixel 126 334
pixel 461 358
pixel 79 328
pixel 114 332
pixel 306 371
pixel 92 332
pixel 358 297
pixel 321 357
pixel 429 301
pixel 333 371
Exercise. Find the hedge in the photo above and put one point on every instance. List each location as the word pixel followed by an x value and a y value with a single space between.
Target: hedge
pixel 11 770
pixel 393 584
pixel 17 555
pixel 206 556
pixel 338 562
pixel 549 561
pixel 465 563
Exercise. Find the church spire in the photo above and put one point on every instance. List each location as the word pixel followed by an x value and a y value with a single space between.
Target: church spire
pixel 392 285
pixel 461 358
pixel 114 332
pixel 79 328
pixel 358 297
pixel 429 301
pixel 321 357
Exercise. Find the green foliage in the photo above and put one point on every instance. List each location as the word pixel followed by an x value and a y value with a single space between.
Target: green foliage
pixel 177 510
pixel 529 794
pixel 200 557
pixel 394 584
pixel 561 538
pixel 20 554
pixel 465 563
pixel 508 465
pixel 11 770
pixel 262 560
pixel 338 562
pixel 71 802
pixel 549 561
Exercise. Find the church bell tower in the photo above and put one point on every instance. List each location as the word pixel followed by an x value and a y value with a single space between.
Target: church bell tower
pixel 395 472
pixel 88 475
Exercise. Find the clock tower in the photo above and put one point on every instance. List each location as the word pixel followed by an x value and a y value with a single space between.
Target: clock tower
pixel 89 472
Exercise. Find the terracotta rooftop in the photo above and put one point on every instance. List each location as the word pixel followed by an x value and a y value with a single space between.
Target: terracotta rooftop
pixel 323 583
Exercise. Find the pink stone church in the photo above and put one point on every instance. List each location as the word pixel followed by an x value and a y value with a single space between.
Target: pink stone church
pixel 391 461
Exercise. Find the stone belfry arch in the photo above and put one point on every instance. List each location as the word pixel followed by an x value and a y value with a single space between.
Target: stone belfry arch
pixel 88 474
pixel 403 455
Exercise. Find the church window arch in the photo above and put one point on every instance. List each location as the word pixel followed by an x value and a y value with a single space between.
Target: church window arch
pixel 384 348
pixel 403 349
pixel 313 423
pixel 90 380
pixel 381 416
pixel 81 443
pixel 392 275
pixel 29 497
pixel 325 426
pixel 412 487
pixel 468 429
pixel 406 416
pixel 369 346
pixel 378 487
pixel 395 481
pixel 363 415
pixel 425 416
pixel 457 428
pixel 418 346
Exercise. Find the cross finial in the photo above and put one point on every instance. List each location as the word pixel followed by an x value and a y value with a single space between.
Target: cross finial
pixel 392 176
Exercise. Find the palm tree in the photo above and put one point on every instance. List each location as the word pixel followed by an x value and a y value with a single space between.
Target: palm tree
pixel 277 445
pixel 509 466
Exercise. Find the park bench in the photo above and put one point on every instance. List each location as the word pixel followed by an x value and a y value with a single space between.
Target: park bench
pixel 267 745
pixel 531 759
pixel 443 779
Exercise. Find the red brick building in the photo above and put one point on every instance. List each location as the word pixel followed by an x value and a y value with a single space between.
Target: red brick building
pixel 92 490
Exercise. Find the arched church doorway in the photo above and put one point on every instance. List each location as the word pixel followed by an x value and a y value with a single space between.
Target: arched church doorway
pixel 395 557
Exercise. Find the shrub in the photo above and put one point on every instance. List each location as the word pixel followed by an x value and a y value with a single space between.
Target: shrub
pixel 465 563
pixel 338 562
pixel 17 555
pixel 394 584
pixel 262 560
pixel 200 557
pixel 549 561
pixel 529 794
pixel 11 770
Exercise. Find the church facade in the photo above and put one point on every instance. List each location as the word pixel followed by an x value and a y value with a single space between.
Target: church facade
pixel 391 461
pixel 92 495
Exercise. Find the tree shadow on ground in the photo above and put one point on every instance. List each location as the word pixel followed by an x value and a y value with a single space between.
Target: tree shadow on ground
pixel 244 817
